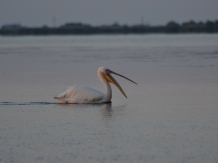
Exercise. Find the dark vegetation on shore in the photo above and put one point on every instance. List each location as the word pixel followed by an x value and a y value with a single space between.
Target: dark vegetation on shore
pixel 85 29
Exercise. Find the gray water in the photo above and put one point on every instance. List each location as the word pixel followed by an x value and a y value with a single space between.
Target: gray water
pixel 170 116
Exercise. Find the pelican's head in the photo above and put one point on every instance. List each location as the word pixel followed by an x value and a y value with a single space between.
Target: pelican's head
pixel 106 74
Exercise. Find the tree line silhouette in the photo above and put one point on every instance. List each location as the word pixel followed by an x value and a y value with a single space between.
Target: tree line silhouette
pixel 85 29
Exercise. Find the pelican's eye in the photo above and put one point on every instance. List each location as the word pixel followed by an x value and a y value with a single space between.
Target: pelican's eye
pixel 107 71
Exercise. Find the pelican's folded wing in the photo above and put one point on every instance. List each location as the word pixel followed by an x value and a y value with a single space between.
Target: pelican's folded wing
pixel 78 94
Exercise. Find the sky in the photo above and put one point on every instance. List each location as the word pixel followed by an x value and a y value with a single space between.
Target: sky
pixel 100 12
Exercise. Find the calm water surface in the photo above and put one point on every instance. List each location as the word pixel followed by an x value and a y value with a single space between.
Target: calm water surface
pixel 170 116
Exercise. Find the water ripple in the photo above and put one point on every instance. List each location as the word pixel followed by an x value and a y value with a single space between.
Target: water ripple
pixel 28 103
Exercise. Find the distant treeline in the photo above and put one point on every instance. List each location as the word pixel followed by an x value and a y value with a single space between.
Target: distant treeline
pixel 84 29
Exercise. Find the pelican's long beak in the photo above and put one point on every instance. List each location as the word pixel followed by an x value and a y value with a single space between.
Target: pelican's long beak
pixel 112 80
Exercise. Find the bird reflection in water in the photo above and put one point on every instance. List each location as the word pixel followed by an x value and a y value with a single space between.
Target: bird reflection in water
pixel 109 111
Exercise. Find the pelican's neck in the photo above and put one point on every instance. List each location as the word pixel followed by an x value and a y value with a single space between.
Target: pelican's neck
pixel 108 94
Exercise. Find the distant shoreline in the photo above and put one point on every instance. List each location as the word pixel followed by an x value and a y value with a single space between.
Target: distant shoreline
pixel 84 29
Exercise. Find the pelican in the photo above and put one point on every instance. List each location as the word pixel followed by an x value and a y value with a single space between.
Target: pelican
pixel 82 94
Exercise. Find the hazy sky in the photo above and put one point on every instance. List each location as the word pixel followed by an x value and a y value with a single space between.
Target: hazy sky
pixel 97 12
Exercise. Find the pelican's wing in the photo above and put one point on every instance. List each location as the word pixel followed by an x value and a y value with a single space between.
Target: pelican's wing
pixel 81 94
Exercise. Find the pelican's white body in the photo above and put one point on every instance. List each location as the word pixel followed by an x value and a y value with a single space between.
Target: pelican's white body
pixel 83 94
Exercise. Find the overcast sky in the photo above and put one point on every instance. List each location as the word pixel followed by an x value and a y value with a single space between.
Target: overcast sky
pixel 98 12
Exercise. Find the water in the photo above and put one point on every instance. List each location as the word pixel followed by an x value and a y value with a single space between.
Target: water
pixel 170 116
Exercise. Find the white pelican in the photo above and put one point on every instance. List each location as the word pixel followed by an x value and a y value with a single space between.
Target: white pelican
pixel 81 94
